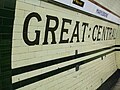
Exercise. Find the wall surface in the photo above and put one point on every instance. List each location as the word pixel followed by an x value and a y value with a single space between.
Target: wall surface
pixel 60 49
pixel 114 6
pixel 49 46
pixel 7 10
pixel 118 51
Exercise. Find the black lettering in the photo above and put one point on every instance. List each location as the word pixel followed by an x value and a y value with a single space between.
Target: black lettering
pixel 64 30
pixel 51 29
pixel 77 34
pixel 85 26
pixel 25 29
pixel 98 34
pixel 114 34
pixel 107 33
pixel 110 34
pixel 93 34
pixel 103 33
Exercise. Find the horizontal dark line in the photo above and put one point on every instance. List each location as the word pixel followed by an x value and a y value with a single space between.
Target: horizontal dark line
pixel 117 49
pixel 28 68
pixel 54 72
pixel 117 45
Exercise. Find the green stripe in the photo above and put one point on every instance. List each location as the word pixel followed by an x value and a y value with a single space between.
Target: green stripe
pixel 7 12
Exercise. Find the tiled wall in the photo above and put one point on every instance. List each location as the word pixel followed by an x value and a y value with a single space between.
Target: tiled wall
pixel 7 9
pixel 118 51
pixel 57 66
pixel 78 65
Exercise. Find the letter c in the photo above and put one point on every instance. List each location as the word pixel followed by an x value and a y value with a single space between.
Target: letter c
pixel 93 34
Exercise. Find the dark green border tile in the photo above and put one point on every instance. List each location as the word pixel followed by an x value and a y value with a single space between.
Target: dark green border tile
pixel 7 12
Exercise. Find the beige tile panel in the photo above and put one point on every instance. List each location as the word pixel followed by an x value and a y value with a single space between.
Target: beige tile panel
pixel 89 77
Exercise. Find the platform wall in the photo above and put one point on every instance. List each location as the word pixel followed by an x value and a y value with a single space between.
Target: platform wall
pixel 117 48
pixel 70 51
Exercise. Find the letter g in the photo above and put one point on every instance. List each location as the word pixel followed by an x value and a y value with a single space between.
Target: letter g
pixel 25 29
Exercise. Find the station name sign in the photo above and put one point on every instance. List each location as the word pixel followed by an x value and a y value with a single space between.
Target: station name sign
pixel 78 2
pixel 102 13
pixel 78 32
